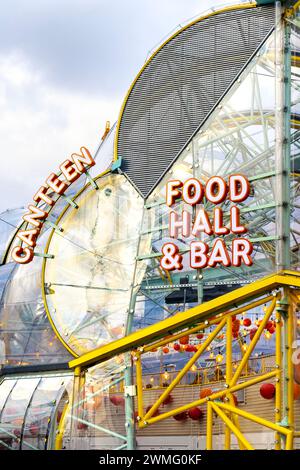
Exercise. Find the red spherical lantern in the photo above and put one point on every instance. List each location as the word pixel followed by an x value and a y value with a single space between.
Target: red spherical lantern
pixel 34 429
pixel 165 350
pixel 117 400
pixel 267 391
pixel 181 416
pixel 82 426
pixel 184 340
pixel 176 347
pixel 189 348
pixel 200 336
pixel 156 413
pixel 296 391
pixel 168 400
pixel 269 324
pixel 272 330
pixel 247 322
pixel 236 325
pixel 205 392
pixel 297 372
pixel 120 401
pixel 114 400
pixel 252 333
pixel 196 414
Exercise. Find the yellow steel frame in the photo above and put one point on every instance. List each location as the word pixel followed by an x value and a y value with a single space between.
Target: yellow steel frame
pixel 201 312
pixel 230 414
pixel 278 292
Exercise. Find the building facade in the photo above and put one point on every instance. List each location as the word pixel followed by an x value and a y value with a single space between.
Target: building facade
pixel 104 347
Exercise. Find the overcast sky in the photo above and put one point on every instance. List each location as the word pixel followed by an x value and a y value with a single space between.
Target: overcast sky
pixel 65 66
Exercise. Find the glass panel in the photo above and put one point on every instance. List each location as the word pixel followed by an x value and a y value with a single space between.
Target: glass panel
pixel 26 334
pixel 41 412
pixel 239 137
pixel 13 413
pixel 97 417
pixel 295 148
pixel 88 282
pixel 9 223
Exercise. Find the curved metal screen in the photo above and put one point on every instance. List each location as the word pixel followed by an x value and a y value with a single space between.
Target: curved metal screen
pixel 180 86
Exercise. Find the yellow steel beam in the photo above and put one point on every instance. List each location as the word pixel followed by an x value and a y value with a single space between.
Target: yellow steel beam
pixel 214 396
pixel 180 320
pixel 204 325
pixel 233 428
pixel 139 382
pixel 289 441
pixel 255 419
pixel 209 427
pixel 290 371
pixel 61 427
pixel 253 343
pixel 278 360
pixel 228 373
pixel 184 370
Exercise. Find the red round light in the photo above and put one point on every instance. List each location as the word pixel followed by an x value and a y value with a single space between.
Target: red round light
pixel 181 416
pixel 196 414
pixel 267 391
pixel 252 332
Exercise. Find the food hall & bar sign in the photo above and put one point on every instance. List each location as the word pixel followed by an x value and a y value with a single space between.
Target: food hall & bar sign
pixel 193 193
pixel 71 169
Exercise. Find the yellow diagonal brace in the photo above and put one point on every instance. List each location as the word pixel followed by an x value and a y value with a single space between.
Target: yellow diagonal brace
pixel 184 370
pixel 253 343
pixel 191 316
pixel 61 427
pixel 214 396
pixel 233 428
pixel 255 419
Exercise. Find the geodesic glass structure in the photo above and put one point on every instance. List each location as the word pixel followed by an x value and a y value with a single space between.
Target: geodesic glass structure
pixel 219 97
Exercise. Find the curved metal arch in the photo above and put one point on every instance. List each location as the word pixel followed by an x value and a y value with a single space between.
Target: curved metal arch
pixel 45 259
pixel 201 18
pixel 146 184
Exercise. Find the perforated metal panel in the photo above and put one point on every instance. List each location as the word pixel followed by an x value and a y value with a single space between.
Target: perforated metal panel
pixel 181 85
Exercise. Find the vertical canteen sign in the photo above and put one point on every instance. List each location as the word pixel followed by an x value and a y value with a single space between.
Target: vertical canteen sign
pixel 54 186
pixel 207 223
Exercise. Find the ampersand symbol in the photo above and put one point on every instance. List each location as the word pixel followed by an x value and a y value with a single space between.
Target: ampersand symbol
pixel 171 259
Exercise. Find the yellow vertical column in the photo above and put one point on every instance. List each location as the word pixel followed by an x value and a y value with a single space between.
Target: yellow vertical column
pixel 228 372
pixel 278 356
pixel 290 366
pixel 78 385
pixel 209 427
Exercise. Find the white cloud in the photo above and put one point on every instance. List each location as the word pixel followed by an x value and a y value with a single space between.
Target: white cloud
pixel 64 69
pixel 41 126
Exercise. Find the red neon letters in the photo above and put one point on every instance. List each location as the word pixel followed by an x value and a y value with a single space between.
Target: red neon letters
pixel 208 222
pixel 71 170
